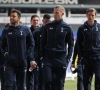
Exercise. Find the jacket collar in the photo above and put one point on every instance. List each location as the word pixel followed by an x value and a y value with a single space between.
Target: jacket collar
pixel 95 22
pixel 32 28
pixel 59 21
pixel 11 26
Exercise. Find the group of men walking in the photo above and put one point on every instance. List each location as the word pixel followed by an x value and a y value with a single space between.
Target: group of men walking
pixel 36 58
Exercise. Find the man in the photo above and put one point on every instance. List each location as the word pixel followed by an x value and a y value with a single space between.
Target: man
pixel 55 38
pixel 31 74
pixel 35 20
pixel 89 45
pixel 37 36
pixel 1 68
pixel 46 19
pixel 76 63
pixel 15 38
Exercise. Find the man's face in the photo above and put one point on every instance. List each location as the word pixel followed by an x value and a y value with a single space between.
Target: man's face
pixel 91 16
pixel 45 20
pixel 58 14
pixel 14 18
pixel 35 22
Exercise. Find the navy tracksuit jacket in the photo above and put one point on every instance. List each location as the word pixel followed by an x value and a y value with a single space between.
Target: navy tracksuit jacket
pixel 37 37
pixel 16 39
pixel 20 44
pixel 89 39
pixel 55 38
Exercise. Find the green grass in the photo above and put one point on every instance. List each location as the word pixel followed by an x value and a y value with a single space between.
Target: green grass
pixel 72 84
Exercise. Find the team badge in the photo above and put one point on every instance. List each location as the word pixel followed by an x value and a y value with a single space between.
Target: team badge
pixel 62 30
pixel 21 32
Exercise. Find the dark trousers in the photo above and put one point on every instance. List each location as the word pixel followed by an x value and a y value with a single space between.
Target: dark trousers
pixel 2 77
pixel 38 79
pixel 15 85
pixel 10 73
pixel 53 86
pixel 79 77
pixel 59 72
pixel 34 79
pixel 90 66
pixel 38 75
pixel 30 79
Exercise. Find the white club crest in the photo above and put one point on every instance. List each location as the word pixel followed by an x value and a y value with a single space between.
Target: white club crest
pixel 21 32
pixel 51 28
pixel 62 30
pixel 9 33
pixel 85 29
pixel 96 28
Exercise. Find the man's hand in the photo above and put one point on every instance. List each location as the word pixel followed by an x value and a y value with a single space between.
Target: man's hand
pixel 73 65
pixel 33 64
pixel 6 53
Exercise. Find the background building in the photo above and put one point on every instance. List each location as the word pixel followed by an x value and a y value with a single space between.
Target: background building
pixel 75 10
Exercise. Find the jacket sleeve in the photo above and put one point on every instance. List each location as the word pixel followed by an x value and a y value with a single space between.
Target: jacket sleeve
pixel 80 41
pixel 75 52
pixel 43 42
pixel 70 41
pixel 2 59
pixel 3 46
pixel 30 45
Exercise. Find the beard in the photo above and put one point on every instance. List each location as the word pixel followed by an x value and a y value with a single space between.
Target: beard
pixel 13 22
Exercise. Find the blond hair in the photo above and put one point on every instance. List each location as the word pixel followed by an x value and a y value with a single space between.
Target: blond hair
pixel 61 7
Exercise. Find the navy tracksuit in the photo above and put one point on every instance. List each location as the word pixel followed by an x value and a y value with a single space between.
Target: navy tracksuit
pixel 15 39
pixel 31 79
pixel 55 38
pixel 79 67
pixel 38 72
pixel 89 45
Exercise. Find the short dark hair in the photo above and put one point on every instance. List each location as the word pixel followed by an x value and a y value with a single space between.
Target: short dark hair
pixel 17 11
pixel 47 16
pixel 7 25
pixel 33 16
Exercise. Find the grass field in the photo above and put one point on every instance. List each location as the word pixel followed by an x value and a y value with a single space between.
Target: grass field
pixel 72 85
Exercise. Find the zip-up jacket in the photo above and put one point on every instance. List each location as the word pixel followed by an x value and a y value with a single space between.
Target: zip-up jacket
pixel 16 39
pixel 89 39
pixel 33 30
pixel 37 37
pixel 55 38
